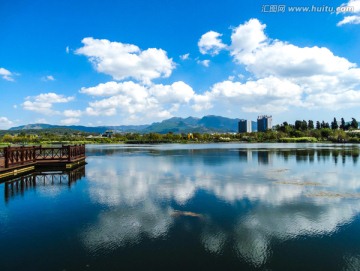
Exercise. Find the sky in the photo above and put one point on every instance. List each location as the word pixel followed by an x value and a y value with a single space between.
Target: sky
pixel 110 62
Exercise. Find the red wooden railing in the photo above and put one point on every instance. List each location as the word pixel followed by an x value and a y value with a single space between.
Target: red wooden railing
pixel 14 156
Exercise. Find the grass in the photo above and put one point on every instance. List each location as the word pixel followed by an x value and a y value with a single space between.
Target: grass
pixel 298 139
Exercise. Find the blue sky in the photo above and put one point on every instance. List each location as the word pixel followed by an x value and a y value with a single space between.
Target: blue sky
pixel 136 62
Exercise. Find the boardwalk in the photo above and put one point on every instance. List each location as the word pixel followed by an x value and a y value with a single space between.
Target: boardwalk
pixel 15 160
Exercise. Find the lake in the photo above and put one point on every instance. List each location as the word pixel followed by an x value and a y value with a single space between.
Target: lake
pixel 188 207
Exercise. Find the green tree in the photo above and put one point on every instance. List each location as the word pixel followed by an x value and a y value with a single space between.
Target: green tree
pixel 310 124
pixel 318 125
pixel 354 124
pixel 334 124
pixel 298 125
pixel 304 125
pixel 342 125
pixel 326 132
pixel 7 138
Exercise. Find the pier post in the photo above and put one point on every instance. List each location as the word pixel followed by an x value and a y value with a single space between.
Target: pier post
pixel 6 157
pixel 21 155
pixel 69 152
pixel 34 154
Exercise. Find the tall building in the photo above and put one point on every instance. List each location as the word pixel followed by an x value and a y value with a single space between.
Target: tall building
pixel 245 126
pixel 264 123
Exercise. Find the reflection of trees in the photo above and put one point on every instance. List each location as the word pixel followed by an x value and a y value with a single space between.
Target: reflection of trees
pixel 310 155
pixel 20 185
pixel 217 156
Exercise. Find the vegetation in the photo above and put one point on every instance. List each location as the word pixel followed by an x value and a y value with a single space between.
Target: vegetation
pixel 300 131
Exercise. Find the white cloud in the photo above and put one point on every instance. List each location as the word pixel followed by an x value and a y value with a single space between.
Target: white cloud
pixel 177 93
pixel 137 100
pixel 334 101
pixel 353 19
pixel 70 121
pixel 43 103
pixel 269 93
pixel 205 63
pixel 185 56
pixel 123 61
pixel 263 56
pixel 113 88
pixel 285 75
pixel 5 123
pixel 246 38
pixel 72 113
pixel 67 49
pixel 210 43
pixel 6 74
pixel 353 7
pixel 48 78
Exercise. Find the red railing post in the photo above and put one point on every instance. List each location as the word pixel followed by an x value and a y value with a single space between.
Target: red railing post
pixel 34 154
pixel 6 157
pixel 69 153
pixel 21 155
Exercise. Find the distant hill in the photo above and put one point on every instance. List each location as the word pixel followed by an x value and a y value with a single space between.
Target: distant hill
pixel 205 124
pixel 79 128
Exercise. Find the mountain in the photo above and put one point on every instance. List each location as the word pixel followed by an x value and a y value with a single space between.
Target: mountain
pixel 87 129
pixel 205 124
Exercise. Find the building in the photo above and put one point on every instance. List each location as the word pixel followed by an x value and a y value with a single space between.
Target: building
pixel 245 126
pixel 264 123
pixel 108 134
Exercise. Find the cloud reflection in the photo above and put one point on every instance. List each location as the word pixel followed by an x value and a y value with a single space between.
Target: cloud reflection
pixel 138 187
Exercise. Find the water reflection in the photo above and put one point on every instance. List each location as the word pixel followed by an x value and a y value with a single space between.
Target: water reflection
pixel 20 185
pixel 258 197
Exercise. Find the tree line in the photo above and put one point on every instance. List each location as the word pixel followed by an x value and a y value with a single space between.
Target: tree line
pixel 309 125
pixel 300 131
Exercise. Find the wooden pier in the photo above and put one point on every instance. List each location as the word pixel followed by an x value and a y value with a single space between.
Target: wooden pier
pixel 20 160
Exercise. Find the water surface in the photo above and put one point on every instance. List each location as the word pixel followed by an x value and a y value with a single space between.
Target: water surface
pixel 188 207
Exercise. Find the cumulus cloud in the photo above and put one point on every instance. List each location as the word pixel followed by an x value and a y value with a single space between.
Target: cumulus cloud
pixel 6 74
pixel 72 113
pixel 284 75
pixel 205 63
pixel 185 56
pixel 252 96
pixel 210 43
pixel 246 38
pixel 5 123
pixel 352 7
pixel 43 103
pixel 123 61
pixel 134 99
pixel 263 56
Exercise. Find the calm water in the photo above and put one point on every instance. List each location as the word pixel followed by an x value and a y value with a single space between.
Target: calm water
pixel 188 207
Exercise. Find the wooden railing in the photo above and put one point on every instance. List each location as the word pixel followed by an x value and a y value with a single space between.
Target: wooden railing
pixel 14 156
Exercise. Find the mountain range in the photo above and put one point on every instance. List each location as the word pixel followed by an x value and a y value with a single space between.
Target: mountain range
pixel 205 124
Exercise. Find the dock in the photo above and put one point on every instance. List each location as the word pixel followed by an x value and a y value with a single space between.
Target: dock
pixel 16 161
